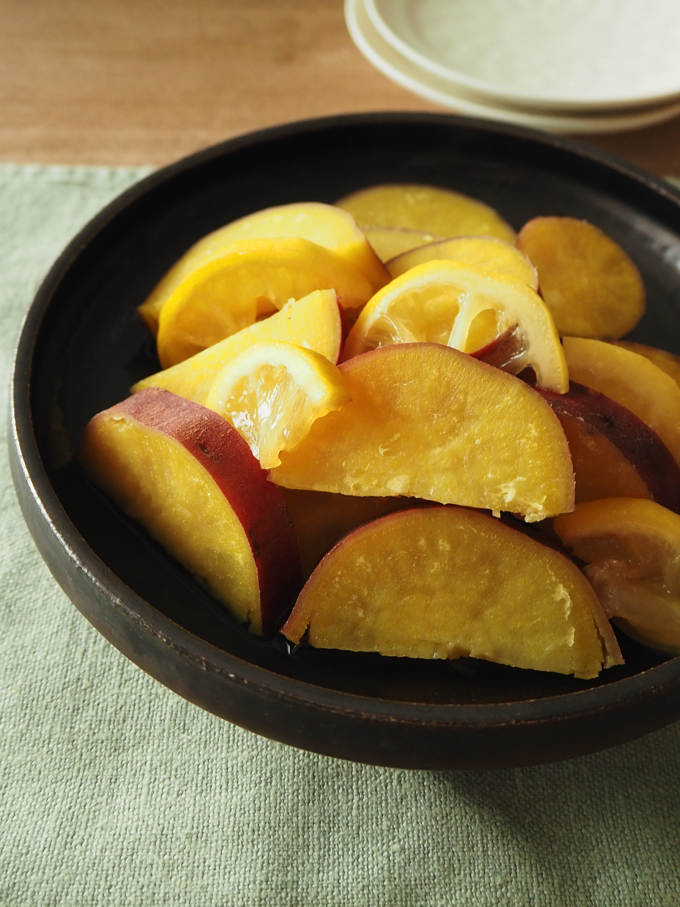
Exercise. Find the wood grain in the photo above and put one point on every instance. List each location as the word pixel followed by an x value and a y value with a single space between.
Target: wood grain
pixel 145 81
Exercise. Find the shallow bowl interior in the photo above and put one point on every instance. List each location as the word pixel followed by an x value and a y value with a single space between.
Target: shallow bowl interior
pixel 83 345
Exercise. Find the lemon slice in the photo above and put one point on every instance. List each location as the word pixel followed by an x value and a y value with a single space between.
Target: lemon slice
pixel 632 548
pixel 313 322
pixel 252 277
pixel 273 392
pixel 466 308
pixel 326 225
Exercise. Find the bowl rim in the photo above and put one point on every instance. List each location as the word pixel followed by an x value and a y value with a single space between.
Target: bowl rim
pixel 29 470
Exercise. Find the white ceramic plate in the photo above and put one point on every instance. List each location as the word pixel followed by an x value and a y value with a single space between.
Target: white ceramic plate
pixel 440 90
pixel 557 54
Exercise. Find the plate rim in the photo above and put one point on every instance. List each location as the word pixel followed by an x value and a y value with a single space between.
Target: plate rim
pixel 410 75
pixel 495 90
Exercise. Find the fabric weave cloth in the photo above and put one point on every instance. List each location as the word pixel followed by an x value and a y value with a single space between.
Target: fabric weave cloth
pixel 114 791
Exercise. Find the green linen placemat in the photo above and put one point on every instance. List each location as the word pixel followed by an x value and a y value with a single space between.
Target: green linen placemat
pixel 114 791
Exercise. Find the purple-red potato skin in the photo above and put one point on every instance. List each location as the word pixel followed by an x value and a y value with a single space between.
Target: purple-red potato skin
pixel 635 440
pixel 630 379
pixel 226 458
pixel 502 351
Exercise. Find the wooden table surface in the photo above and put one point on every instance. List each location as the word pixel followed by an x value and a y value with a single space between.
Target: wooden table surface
pixel 148 81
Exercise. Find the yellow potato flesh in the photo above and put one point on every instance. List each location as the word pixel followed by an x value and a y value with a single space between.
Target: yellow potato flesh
pixel 630 379
pixel 322 519
pixel 430 209
pixel 589 283
pixel 389 242
pixel 600 469
pixel 494 255
pixel 431 422
pixel 158 482
pixel 312 322
pixel 443 582
pixel 667 362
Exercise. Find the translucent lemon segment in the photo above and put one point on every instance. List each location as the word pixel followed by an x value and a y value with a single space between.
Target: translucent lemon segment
pixel 253 277
pixel 632 548
pixel 313 322
pixel 273 392
pixel 326 225
pixel 465 308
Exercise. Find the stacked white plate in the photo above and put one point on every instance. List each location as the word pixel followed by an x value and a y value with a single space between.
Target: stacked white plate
pixel 559 65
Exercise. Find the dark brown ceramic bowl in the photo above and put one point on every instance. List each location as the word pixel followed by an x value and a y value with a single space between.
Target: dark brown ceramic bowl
pixel 82 346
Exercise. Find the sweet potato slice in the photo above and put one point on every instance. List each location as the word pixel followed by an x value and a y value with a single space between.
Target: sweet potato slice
pixel 446 582
pixel 493 255
pixel 430 209
pixel 632 548
pixel 615 454
pixel 630 379
pixel 315 322
pixel 388 242
pixel 589 283
pixel 190 479
pixel 667 362
pixel 430 422
pixel 321 519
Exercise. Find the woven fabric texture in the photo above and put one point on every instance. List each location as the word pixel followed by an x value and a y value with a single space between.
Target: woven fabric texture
pixel 114 791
